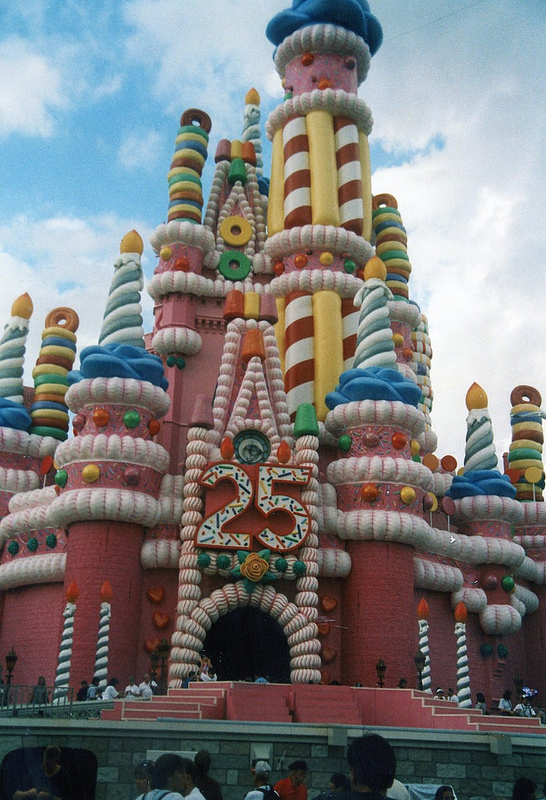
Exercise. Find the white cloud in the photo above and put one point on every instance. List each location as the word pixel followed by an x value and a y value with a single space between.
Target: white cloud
pixel 141 151
pixel 32 90
pixel 473 208
pixel 64 261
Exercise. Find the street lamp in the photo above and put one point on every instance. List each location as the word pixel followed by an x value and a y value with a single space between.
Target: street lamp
pixel 380 668
pixel 419 658
pixel 11 661
pixel 163 650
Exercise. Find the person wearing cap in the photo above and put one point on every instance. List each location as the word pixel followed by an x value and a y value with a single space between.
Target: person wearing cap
pixel 439 694
pixel 293 787
pixel 263 790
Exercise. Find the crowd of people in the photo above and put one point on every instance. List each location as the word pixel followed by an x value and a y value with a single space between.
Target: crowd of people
pixel 371 772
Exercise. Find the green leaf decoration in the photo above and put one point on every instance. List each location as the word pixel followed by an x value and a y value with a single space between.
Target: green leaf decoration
pixel 241 555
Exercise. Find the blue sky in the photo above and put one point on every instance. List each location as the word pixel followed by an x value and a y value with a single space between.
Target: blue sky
pixel 91 99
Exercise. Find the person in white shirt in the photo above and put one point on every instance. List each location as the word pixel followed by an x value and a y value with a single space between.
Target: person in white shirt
pixel 111 693
pixel 132 689
pixel 452 696
pixel 146 688
pixel 189 777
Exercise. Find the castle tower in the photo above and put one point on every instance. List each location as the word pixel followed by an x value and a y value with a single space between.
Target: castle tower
pixel 320 203
pixel 109 477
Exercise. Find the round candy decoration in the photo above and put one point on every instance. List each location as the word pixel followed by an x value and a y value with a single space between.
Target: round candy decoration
pixel 301 260
pixel 344 442
pixel 430 502
pixel 399 441
pixel 508 584
pixel 224 562
pixel 13 548
pixel 165 253
pixel 101 417
pixel 154 427
pixel 234 266
pixel 131 418
pixel 90 473
pixel 235 231
pixel 533 475
pixel 369 492
pixel 251 447
pixel 61 478
pixel 181 264
pixel 407 495
pixel 490 581
pixel 32 545
pixel 51 541
pixel 431 461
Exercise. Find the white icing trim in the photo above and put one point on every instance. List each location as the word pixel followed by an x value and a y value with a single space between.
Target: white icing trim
pixel 96 504
pixel 320 237
pixel 176 340
pixel 375 412
pixel 336 102
pixel 181 232
pixel 377 468
pixel 324 38
pixel 116 448
pixel 119 391
pixel 47 568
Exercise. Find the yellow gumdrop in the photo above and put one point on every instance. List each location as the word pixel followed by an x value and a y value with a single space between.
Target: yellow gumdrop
pixel 415 447
pixel 22 307
pixel 434 499
pixel 326 259
pixel 375 268
pixel 398 339
pixel 165 253
pixel 131 243
pixel 91 473
pixel 476 397
pixel 407 495
pixel 252 97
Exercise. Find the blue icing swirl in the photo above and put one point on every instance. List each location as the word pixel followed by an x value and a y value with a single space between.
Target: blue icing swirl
pixel 14 415
pixel 119 361
pixel 374 383
pixel 354 15
pixel 481 482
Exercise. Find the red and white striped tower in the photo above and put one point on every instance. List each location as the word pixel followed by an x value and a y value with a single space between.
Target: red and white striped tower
pixel 320 205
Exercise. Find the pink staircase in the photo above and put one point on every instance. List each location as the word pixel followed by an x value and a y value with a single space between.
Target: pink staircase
pixel 327 705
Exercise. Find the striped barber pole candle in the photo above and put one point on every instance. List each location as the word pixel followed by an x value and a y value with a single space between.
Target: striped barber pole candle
pixel 297 174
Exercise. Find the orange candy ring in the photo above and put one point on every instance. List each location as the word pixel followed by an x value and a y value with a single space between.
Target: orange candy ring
pixel 194 116
pixel 525 394
pixel 63 317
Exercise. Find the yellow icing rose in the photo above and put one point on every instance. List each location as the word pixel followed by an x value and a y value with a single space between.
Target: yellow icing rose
pixel 254 567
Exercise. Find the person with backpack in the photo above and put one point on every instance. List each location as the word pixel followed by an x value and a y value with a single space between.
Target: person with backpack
pixel 263 790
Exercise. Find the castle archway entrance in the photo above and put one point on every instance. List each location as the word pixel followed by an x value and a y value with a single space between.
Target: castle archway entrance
pixel 246 643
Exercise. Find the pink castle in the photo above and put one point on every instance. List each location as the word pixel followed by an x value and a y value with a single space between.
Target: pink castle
pixel 279 504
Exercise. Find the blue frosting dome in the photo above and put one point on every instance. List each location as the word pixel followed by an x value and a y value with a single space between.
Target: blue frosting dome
pixel 119 361
pixel 14 415
pixel 374 383
pixel 480 482
pixel 354 15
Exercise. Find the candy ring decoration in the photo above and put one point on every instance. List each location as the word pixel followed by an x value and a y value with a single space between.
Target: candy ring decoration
pixel 533 475
pixel 525 394
pixel 237 273
pixel 384 200
pixel 63 317
pixel 194 116
pixel 235 231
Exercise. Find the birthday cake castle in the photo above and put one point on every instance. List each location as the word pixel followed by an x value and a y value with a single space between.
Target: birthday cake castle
pixel 256 478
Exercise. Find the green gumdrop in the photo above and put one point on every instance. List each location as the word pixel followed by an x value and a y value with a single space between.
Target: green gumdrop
pixel 417 459
pixel 281 564
pixel 203 560
pixel 508 583
pixel 299 568
pixel 306 423
pixel 237 172
pixel 32 545
pixel 51 541
pixel 171 361
pixel 180 363
pixel 344 442
pixel 349 266
pixel 224 562
pixel 13 548
pixel 131 418
pixel 61 478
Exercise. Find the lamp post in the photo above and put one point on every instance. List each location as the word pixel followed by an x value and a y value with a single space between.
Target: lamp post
pixel 154 660
pixel 380 668
pixel 11 661
pixel 163 650
pixel 419 658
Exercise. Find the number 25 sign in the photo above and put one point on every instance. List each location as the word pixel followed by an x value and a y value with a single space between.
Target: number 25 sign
pixel 253 510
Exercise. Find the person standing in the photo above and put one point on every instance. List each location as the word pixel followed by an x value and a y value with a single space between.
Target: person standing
pixel 372 763
pixel 189 780
pixel 208 787
pixel 263 789
pixel 293 787
pixel 166 780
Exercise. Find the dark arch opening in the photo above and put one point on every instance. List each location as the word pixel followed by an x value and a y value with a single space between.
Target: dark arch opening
pixel 247 643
